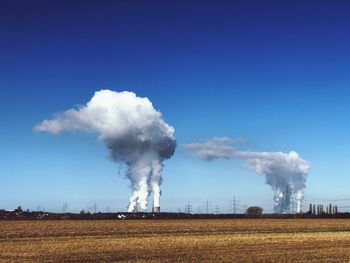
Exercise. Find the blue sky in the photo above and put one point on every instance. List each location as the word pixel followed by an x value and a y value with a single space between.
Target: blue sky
pixel 273 72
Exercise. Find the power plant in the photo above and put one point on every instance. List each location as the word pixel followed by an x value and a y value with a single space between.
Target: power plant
pixel 286 173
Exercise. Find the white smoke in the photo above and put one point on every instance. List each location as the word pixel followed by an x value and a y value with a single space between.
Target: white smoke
pixel 286 173
pixel 213 149
pixel 134 133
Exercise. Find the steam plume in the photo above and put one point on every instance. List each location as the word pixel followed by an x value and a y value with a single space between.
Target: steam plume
pixel 286 173
pixel 132 130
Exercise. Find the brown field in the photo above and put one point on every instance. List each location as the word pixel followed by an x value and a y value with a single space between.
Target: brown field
pixel 250 240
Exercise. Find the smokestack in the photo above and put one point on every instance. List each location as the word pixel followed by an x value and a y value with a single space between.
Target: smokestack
pixel 134 133
pixel 156 204
pixel 156 209
pixel 283 201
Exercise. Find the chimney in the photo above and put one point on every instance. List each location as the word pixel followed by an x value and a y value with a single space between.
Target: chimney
pixel 156 209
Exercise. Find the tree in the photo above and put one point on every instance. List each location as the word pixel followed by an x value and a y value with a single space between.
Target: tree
pixel 82 212
pixel 254 211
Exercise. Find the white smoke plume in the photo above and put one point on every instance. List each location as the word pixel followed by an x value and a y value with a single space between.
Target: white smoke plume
pixel 286 173
pixel 134 133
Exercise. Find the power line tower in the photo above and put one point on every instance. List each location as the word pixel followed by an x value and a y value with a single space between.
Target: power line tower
pixel 217 209
pixel 206 207
pixel 65 207
pixel 234 203
pixel 188 208
pixel 95 207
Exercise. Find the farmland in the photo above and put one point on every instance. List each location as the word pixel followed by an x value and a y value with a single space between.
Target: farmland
pixel 249 240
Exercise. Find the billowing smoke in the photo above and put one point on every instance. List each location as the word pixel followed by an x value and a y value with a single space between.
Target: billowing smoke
pixel 134 133
pixel 286 173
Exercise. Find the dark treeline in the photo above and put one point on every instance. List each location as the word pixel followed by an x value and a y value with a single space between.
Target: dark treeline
pixel 18 214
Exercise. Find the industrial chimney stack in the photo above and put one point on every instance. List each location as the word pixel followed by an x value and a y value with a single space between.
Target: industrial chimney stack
pixel 156 209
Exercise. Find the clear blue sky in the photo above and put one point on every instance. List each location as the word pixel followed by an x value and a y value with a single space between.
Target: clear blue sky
pixel 273 72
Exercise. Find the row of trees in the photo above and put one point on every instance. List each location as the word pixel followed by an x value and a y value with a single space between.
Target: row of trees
pixel 320 209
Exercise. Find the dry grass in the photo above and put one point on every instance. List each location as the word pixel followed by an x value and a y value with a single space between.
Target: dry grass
pixel 294 240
